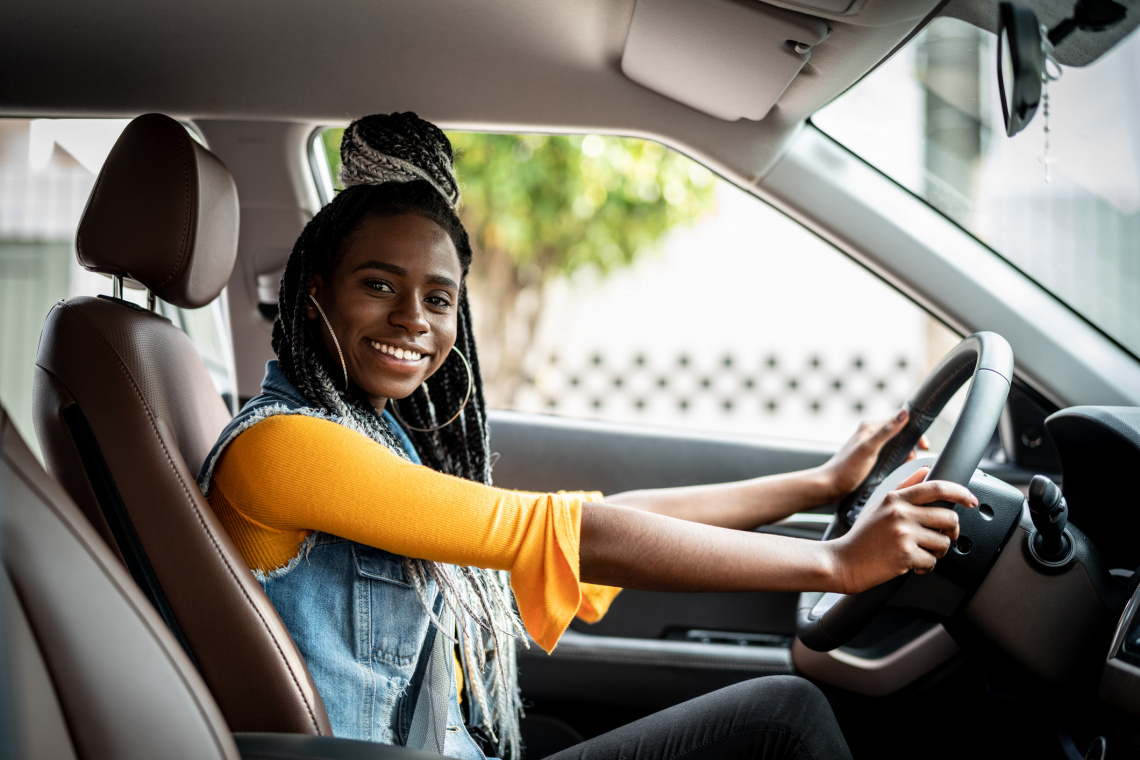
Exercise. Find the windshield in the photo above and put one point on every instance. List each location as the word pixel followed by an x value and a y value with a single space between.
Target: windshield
pixel 930 118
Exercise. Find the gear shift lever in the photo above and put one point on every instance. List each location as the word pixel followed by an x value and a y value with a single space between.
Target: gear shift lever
pixel 1050 514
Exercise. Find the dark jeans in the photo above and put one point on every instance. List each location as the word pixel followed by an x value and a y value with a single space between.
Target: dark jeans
pixel 773 717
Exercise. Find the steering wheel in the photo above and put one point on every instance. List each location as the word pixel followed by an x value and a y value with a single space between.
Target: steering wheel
pixel 827 621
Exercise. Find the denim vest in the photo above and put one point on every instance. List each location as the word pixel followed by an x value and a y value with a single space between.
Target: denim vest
pixel 354 614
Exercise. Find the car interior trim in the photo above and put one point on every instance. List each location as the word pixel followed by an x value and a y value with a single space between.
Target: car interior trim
pixel 877 677
pixel 806 521
pixel 575 645
pixel 536 449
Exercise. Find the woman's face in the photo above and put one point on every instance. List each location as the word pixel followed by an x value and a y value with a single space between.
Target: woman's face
pixel 393 301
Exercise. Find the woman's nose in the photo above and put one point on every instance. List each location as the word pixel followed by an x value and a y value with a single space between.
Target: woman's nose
pixel 409 315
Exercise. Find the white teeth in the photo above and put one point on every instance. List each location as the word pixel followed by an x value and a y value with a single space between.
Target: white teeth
pixel 399 353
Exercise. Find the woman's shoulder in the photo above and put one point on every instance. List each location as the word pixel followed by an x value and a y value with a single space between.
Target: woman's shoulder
pixel 263 432
pixel 315 427
pixel 288 446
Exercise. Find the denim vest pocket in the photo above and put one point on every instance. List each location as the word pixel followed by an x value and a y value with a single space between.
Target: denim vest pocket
pixel 380 565
pixel 385 593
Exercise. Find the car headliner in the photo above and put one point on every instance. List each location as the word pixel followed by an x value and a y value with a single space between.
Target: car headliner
pixel 506 64
pixel 517 65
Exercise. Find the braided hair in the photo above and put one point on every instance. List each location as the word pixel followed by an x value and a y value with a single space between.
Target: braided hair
pixel 392 165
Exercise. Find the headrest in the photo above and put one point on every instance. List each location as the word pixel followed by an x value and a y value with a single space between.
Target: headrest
pixel 164 212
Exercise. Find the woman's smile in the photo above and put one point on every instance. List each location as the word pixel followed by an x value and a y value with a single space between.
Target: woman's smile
pixel 392 302
pixel 398 357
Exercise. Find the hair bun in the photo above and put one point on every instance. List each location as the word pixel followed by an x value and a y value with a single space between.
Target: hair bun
pixel 398 147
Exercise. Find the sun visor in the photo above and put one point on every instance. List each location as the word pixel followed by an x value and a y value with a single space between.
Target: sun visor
pixel 731 59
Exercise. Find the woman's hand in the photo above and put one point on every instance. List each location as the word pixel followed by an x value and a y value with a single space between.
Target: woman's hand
pixel 897 534
pixel 854 460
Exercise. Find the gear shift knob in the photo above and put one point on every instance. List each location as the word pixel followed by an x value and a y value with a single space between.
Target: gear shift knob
pixel 1050 515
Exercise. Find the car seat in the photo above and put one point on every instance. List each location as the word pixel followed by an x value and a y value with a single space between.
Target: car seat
pixel 88 668
pixel 125 412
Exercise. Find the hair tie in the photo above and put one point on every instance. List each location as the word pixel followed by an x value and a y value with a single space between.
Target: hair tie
pixel 363 163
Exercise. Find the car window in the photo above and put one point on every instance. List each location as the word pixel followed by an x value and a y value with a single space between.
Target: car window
pixel 642 288
pixel 47 170
pixel 930 118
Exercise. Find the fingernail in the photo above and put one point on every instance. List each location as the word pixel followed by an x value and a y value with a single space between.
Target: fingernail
pixel 901 415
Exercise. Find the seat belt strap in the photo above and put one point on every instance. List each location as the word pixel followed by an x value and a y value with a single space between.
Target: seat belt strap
pixel 429 719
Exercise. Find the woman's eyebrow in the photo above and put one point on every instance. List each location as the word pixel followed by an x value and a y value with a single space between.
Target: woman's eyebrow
pixel 391 268
pixel 434 279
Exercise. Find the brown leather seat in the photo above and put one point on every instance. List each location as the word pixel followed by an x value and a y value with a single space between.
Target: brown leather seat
pixel 91 671
pixel 125 412
pixel 94 673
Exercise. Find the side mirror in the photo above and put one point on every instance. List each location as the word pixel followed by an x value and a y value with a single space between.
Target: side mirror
pixel 1020 65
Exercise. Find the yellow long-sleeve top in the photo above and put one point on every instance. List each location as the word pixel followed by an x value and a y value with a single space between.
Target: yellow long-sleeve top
pixel 290 475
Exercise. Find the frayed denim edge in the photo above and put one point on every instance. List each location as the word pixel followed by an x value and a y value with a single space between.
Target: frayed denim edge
pixel 282 570
pixel 255 417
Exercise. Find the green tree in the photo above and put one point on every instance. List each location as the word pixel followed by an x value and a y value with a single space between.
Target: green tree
pixel 539 207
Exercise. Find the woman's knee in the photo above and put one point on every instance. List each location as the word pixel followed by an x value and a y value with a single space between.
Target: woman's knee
pixel 785 690
pixel 795 707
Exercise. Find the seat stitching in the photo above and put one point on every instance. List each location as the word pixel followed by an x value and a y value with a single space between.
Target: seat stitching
pixel 184 245
pixel 197 513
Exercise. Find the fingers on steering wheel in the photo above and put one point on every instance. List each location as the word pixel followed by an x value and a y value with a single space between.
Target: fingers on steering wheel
pixel 931 491
pixel 914 478
pixel 891 426
pixel 936 543
pixel 944 521
pixel 925 563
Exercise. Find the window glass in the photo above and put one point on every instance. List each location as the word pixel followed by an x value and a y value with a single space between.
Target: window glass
pixel 642 288
pixel 47 170
pixel 930 118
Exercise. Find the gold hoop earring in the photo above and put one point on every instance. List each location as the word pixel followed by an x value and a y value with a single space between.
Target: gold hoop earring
pixel 454 417
pixel 335 341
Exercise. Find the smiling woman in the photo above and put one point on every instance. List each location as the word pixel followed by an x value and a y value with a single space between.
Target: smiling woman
pixel 405 545
pixel 393 297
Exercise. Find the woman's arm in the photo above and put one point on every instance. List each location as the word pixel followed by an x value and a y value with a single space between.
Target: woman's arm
pixel 742 505
pixel 746 504
pixel 289 475
pixel 637 549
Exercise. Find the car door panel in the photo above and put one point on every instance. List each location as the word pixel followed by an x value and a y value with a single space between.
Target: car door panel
pixel 543 453
pixel 653 649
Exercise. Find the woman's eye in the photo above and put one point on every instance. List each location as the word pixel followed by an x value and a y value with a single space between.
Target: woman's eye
pixel 439 302
pixel 380 285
